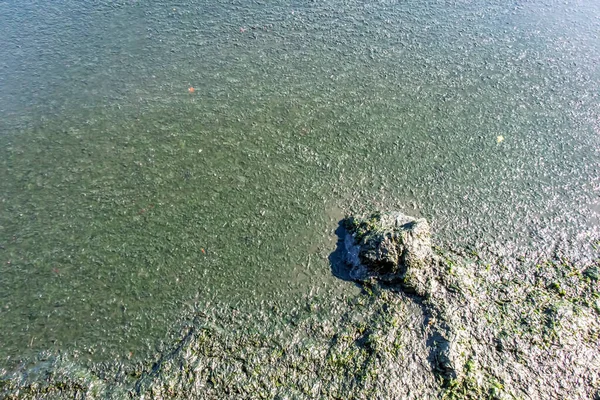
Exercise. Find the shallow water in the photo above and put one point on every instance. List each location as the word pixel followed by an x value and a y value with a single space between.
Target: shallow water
pixel 125 196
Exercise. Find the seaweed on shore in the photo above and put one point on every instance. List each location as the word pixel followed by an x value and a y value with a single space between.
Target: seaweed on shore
pixel 501 329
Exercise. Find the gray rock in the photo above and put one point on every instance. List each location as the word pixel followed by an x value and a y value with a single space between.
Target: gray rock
pixel 389 247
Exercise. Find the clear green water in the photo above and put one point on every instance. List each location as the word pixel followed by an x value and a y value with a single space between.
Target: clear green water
pixel 125 198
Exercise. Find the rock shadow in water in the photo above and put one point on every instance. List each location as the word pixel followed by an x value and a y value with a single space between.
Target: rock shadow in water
pixel 337 260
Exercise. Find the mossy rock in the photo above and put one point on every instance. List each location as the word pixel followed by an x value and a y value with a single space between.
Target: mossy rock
pixel 389 247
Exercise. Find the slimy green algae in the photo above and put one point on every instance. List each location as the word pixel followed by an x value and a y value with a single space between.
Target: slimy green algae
pixel 511 334
pixel 362 227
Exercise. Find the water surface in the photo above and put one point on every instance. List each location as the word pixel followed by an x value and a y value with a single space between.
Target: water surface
pixel 126 196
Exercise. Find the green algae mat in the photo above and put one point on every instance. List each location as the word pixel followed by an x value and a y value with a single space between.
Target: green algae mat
pixel 172 176
pixel 482 331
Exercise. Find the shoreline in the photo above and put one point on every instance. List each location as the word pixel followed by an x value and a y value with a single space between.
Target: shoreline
pixel 513 330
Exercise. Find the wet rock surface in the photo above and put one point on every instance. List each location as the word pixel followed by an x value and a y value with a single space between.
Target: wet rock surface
pixel 389 247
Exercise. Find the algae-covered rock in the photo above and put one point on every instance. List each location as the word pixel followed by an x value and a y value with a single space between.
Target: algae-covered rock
pixel 390 247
